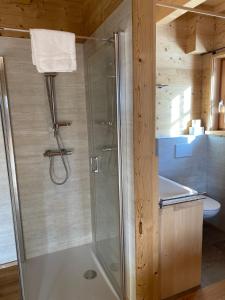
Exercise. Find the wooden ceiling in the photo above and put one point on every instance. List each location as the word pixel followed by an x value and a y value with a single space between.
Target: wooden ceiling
pixel 79 16
pixel 216 5
pixel 167 15
pixel 214 2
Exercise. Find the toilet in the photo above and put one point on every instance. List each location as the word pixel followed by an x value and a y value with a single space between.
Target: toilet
pixel 211 207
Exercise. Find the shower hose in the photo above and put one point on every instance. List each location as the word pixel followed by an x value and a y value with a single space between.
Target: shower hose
pixel 50 85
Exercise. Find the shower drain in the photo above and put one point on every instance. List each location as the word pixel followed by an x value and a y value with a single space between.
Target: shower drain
pixel 90 274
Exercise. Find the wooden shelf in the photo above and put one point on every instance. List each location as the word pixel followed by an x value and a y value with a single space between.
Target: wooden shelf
pixel 216 132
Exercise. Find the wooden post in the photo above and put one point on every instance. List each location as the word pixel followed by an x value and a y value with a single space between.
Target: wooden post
pixel 145 162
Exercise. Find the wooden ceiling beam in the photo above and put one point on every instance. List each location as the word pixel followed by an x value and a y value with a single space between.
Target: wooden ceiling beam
pixel 220 7
pixel 166 15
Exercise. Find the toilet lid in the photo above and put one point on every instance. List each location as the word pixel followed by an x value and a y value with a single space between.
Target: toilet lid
pixel 210 204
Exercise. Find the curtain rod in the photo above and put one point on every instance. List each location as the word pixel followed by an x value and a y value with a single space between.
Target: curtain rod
pixel 194 10
pixel 77 36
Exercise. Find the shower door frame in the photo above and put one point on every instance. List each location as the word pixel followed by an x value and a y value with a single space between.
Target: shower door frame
pixel 117 39
pixel 117 36
pixel 12 174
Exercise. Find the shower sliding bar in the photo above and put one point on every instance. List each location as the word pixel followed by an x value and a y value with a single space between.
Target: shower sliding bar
pixel 50 83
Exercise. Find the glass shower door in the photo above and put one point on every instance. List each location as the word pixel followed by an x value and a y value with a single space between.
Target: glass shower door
pixel 105 171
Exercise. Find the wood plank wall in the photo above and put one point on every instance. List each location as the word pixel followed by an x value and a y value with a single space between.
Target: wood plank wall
pixel 95 12
pixel 53 14
pixel 9 282
pixel 207 69
pixel 179 102
pixel 194 35
pixel 219 37
pixel 81 17
pixel 209 101
pixel 145 169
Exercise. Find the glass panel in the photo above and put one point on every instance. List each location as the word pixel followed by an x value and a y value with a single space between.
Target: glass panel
pixel 7 238
pixel 104 179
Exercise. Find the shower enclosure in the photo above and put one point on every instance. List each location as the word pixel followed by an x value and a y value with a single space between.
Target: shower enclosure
pixel 58 259
pixel 103 102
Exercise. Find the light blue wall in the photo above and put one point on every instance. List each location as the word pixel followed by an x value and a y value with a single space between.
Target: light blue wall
pixel 216 175
pixel 189 170
pixel 204 170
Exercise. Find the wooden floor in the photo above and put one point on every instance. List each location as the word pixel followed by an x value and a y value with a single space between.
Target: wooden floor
pixel 212 292
pixel 9 282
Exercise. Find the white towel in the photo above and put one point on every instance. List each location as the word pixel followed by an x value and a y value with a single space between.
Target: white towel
pixel 53 51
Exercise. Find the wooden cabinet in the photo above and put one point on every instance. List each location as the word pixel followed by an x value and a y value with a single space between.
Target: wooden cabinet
pixel 181 247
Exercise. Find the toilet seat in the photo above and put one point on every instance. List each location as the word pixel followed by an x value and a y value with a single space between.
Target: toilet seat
pixel 211 207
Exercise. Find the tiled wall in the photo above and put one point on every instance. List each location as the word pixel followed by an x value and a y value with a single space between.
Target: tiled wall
pixel 216 176
pixel 190 170
pixel 203 171
pixel 54 217
pixel 7 239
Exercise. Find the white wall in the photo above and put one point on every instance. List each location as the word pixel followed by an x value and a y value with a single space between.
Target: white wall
pixel 54 217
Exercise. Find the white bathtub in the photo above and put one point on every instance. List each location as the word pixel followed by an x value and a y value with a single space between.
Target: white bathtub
pixel 169 190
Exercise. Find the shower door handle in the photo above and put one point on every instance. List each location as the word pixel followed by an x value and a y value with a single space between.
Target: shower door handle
pixel 95 164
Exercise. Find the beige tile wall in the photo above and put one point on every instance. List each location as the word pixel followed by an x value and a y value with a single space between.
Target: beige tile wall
pixel 54 217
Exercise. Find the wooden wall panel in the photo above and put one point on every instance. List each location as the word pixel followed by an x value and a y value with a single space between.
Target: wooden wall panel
pixel 207 71
pixel 80 16
pixel 52 14
pixel 179 102
pixel 95 12
pixel 200 33
pixel 145 169
pixel 166 15
pixel 219 37
pixel 210 75
pixel 9 282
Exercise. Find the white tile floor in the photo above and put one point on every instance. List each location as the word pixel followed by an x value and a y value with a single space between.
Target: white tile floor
pixel 59 276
